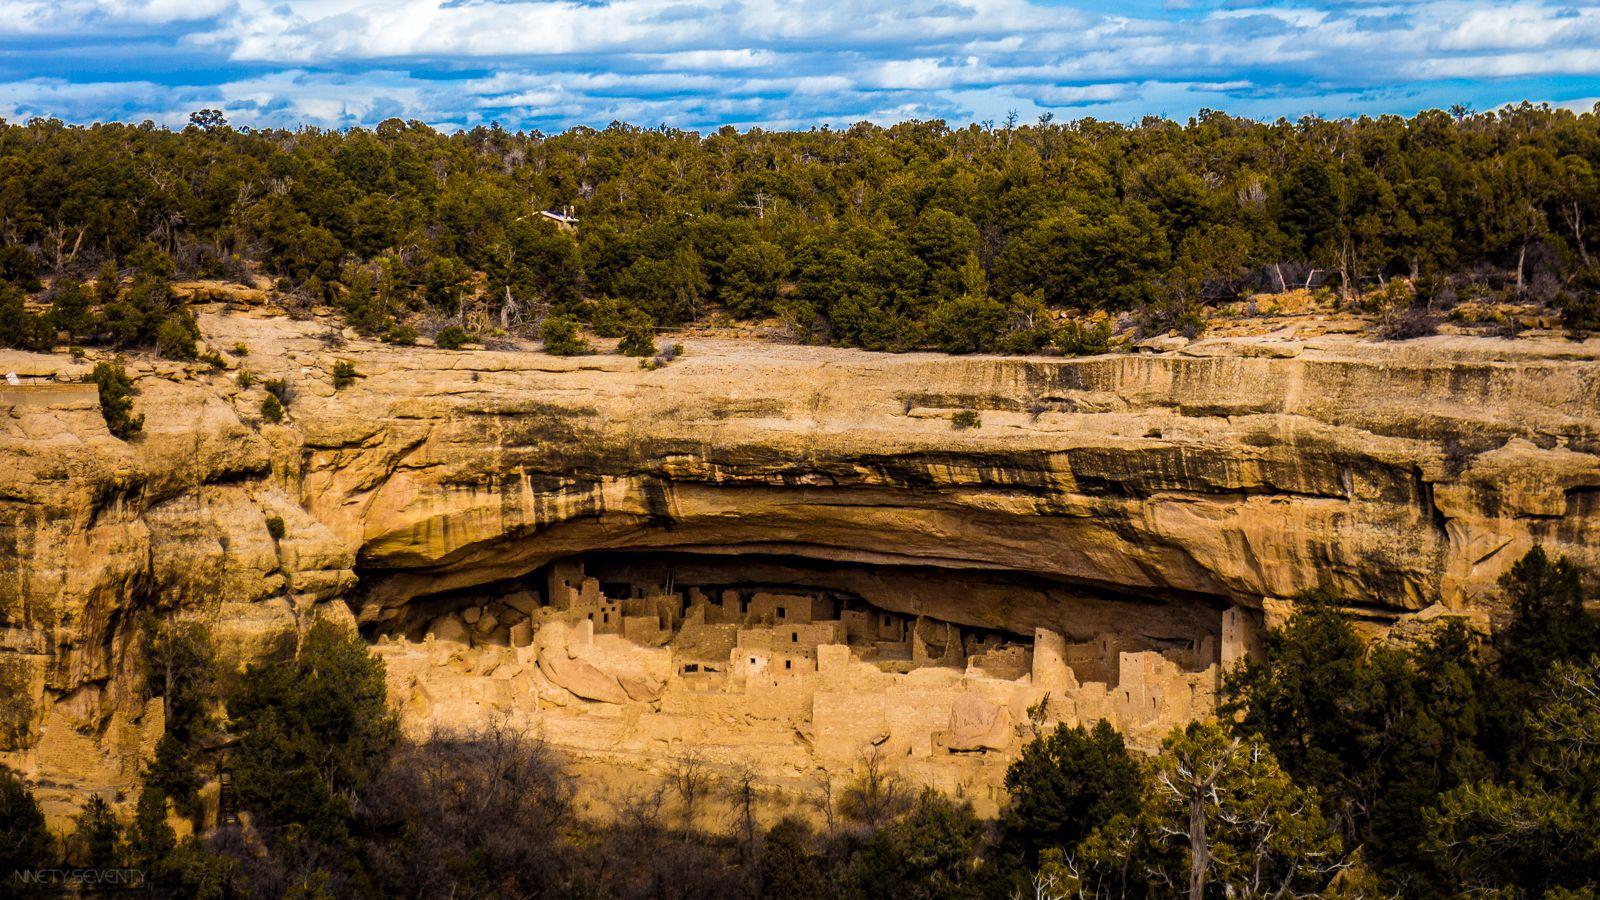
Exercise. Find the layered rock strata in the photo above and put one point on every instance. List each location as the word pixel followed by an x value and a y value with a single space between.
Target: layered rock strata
pixel 1225 473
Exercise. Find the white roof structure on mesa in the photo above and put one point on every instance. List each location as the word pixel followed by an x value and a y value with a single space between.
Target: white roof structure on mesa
pixel 564 218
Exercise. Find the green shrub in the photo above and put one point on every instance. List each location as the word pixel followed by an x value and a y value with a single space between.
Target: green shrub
pixel 1580 312
pixel 967 324
pixel 176 336
pixel 240 349
pixel 453 337
pixel 561 338
pixel 276 528
pixel 272 408
pixel 638 337
pixel 116 399
pixel 966 418
pixel 1182 315
pixel 344 374
pixel 1406 324
pixel 400 335
pixel 1075 339
pixel 606 317
pixel 245 379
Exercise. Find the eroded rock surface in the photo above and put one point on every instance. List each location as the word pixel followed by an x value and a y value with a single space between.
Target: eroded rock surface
pixel 1133 488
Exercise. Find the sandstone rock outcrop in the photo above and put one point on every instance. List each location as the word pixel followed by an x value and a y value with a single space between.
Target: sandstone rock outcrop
pixel 1131 487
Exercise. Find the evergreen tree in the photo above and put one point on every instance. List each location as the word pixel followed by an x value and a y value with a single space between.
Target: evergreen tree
pixel 786 869
pixel 932 852
pixel 1379 732
pixel 561 338
pixel 1535 833
pixel 1547 622
pixel 25 843
pixel 116 399
pixel 173 773
pixel 71 310
pixel 151 840
pixel 638 337
pixel 19 327
pixel 97 836
pixel 1222 819
pixel 1063 786
pixel 312 726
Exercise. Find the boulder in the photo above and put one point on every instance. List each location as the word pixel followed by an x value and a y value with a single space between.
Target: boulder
pixel 522 601
pixel 978 724
pixel 448 627
pixel 521 634
pixel 486 623
pixel 581 678
pixel 641 689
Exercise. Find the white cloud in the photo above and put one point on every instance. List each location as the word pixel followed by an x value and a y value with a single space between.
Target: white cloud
pixel 52 17
pixel 796 62
pixel 1519 27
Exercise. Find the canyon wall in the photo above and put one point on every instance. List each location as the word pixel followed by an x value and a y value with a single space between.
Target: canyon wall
pixel 1129 491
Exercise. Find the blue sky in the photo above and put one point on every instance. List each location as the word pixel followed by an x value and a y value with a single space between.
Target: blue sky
pixel 780 63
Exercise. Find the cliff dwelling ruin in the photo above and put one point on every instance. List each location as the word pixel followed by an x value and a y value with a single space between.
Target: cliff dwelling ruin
pixel 807 665
pixel 1101 547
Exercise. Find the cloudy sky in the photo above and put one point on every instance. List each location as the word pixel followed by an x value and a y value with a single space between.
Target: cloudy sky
pixel 780 63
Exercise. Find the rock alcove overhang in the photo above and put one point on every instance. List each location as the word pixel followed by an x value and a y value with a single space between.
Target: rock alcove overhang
pixel 964 590
pixel 1389 475
pixel 956 513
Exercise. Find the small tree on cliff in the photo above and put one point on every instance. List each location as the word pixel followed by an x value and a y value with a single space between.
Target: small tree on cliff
pixel 116 399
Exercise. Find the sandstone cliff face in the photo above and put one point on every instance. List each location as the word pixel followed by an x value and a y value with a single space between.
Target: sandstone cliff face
pixel 1229 472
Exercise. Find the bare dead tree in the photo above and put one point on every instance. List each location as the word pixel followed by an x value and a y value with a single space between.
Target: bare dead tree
pixel 877 794
pixel 692 780
pixel 741 788
pixel 1193 782
pixel 827 802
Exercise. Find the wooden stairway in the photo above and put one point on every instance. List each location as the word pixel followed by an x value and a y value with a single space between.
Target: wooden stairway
pixel 227 800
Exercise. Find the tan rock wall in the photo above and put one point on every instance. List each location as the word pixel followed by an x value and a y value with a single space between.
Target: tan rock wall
pixel 1146 489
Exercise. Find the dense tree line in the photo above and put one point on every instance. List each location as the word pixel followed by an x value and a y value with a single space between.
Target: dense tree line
pixel 886 238
pixel 1339 767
